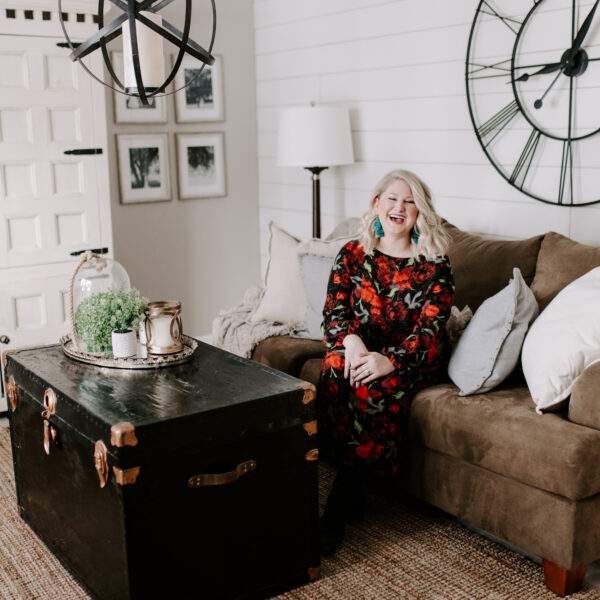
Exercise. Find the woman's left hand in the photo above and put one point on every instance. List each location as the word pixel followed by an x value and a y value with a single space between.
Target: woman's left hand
pixel 370 366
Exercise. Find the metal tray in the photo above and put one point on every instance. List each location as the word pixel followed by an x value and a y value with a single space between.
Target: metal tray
pixel 151 361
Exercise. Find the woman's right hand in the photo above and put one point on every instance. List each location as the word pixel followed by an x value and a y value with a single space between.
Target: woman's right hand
pixel 355 348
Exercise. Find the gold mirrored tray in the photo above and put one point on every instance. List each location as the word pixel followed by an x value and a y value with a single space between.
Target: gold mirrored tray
pixel 151 361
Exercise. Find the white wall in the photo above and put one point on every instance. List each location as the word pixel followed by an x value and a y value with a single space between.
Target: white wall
pixel 203 252
pixel 399 66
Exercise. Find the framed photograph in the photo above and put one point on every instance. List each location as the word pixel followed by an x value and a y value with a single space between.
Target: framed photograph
pixel 143 168
pixel 201 165
pixel 202 99
pixel 129 109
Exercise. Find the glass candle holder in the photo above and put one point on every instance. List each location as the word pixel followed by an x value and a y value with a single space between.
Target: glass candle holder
pixel 163 327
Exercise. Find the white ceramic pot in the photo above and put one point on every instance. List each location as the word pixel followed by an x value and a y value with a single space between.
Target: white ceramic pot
pixel 124 344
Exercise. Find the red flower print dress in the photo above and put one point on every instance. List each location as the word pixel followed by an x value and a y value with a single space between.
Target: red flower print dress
pixel 398 307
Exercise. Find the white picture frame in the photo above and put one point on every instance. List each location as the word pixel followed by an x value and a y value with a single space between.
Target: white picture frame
pixel 202 100
pixel 143 168
pixel 201 165
pixel 129 109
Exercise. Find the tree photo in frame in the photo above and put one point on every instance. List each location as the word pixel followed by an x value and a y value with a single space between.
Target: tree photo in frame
pixel 202 99
pixel 201 165
pixel 129 109
pixel 143 168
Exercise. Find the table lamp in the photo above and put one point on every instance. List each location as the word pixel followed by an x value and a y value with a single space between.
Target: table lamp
pixel 314 137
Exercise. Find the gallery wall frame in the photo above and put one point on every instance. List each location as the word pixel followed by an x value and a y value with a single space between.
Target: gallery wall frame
pixel 129 109
pixel 201 165
pixel 143 161
pixel 202 100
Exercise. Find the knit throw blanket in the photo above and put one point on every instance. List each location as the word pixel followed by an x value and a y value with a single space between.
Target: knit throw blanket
pixel 233 331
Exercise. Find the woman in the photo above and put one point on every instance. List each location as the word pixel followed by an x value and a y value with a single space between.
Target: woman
pixel 388 297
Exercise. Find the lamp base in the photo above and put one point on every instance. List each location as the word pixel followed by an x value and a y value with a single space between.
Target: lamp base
pixel 316 206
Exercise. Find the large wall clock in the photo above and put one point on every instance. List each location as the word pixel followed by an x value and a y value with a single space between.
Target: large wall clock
pixel 533 88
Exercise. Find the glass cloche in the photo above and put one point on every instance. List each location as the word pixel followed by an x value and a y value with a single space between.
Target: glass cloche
pixel 93 282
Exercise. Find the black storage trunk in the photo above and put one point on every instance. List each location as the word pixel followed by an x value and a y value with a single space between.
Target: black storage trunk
pixel 210 470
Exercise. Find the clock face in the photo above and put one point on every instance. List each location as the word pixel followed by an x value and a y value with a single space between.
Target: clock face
pixel 533 87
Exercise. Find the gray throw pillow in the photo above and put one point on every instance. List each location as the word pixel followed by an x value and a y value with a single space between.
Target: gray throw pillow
pixel 315 271
pixel 489 349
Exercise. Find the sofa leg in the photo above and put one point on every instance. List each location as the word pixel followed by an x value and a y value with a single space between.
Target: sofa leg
pixel 563 581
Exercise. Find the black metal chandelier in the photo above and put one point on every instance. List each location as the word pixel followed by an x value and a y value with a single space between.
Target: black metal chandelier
pixel 146 13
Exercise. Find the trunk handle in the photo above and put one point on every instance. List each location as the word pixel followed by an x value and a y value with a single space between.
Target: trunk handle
pixel 222 478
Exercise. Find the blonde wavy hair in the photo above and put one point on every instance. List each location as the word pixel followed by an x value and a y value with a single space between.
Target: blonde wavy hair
pixel 433 239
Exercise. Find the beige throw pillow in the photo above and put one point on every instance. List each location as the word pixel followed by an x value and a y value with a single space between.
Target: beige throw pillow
pixel 284 299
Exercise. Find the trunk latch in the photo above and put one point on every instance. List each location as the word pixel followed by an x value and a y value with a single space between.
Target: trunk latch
pixel 50 432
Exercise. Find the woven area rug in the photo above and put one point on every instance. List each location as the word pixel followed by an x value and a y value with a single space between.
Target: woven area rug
pixel 403 549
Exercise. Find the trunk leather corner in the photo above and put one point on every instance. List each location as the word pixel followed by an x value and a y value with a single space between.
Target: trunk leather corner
pixel 127 476
pixel 310 392
pixel 123 434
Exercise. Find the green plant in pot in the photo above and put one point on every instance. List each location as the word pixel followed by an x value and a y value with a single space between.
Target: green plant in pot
pixel 98 316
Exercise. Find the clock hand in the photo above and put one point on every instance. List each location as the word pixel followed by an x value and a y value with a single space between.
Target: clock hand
pixel 547 69
pixel 540 101
pixel 583 30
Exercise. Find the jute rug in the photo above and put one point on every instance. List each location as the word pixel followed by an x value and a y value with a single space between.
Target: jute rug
pixel 403 549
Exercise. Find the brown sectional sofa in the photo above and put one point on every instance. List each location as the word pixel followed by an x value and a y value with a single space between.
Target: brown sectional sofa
pixel 490 459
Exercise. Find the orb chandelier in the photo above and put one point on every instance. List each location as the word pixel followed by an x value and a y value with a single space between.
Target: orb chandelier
pixel 143 30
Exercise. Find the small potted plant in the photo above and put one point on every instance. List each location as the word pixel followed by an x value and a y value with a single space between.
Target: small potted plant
pixel 107 321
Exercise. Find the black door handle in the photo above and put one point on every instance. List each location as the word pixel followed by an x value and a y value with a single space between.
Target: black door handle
pixel 94 250
pixel 79 151
pixel 4 339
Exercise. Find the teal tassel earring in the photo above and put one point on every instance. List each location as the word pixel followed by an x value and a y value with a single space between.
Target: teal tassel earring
pixel 378 227
pixel 416 232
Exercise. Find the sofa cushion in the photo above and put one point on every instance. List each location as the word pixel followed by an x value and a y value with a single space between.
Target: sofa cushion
pixel 563 342
pixel 560 261
pixel 501 431
pixel 286 353
pixel 490 347
pixel 482 267
pixel 311 371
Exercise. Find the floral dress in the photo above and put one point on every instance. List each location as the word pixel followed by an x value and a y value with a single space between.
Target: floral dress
pixel 398 307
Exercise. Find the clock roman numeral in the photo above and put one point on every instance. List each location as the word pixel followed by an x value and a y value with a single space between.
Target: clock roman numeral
pixel 525 159
pixel 495 124
pixel 566 168
pixel 513 24
pixel 503 67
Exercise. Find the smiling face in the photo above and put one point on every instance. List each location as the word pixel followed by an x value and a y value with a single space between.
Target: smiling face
pixel 396 209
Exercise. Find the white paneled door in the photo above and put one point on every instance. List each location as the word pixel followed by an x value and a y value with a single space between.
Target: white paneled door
pixel 51 203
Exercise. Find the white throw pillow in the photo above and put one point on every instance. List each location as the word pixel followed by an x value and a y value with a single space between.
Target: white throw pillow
pixel 284 299
pixel 489 348
pixel 563 342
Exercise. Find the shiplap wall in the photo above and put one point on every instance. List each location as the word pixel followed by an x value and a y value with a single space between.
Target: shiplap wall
pixel 399 66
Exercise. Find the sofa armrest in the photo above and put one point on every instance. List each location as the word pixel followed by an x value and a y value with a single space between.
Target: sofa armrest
pixel 286 353
pixel 584 406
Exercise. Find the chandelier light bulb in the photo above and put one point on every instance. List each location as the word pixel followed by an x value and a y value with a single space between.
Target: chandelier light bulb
pixel 151 53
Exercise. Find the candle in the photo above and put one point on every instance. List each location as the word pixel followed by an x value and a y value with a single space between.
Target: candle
pixel 150 52
pixel 163 327
pixel 161 332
